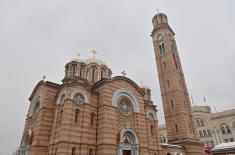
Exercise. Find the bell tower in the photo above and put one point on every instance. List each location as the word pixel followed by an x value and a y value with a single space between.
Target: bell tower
pixel 175 98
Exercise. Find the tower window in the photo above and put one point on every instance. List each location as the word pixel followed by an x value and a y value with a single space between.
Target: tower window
pixel 77 115
pixel 168 83
pixel 176 128
pixel 172 104
pixel 162 49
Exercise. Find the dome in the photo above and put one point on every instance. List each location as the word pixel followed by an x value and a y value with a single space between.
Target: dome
pixel 94 60
pixel 77 60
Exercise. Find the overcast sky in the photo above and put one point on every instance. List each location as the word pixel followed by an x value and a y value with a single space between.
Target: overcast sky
pixel 39 37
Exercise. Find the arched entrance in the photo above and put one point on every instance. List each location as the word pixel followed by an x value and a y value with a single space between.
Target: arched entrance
pixel 129 143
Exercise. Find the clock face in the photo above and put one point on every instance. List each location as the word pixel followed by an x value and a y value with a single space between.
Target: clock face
pixel 79 98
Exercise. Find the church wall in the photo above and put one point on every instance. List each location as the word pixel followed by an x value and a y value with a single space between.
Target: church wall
pixel 41 122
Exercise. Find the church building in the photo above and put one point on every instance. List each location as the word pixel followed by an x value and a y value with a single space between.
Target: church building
pixel 94 113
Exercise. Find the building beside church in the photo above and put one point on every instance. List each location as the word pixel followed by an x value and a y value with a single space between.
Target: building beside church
pixel 212 128
pixel 93 113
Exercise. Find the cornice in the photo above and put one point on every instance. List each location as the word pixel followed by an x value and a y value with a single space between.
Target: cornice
pixel 44 83
pixel 122 78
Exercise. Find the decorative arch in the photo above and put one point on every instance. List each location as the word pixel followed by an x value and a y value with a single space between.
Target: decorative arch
pixel 149 113
pixel 35 105
pixel 131 133
pixel 122 92
pixel 61 97
pixel 218 125
pixel 128 142
pixel 80 92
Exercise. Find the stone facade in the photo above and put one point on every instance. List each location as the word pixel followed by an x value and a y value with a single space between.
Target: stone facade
pixel 176 104
pixel 212 128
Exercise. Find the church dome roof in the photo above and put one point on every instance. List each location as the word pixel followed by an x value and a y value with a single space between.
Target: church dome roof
pixel 94 60
pixel 77 60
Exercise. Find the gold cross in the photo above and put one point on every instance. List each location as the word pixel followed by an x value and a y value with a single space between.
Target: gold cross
pixel 93 53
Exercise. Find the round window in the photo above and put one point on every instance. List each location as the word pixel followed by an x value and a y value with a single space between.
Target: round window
pixel 79 98
pixel 125 107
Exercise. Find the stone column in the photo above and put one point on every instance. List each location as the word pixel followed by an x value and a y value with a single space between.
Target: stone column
pixel 220 136
pixel 233 132
pixel 214 136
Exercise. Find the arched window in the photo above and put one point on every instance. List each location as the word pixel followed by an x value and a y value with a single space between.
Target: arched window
pixel 67 71
pixel 79 98
pixel 36 107
pixel 82 71
pixel 94 71
pixel 73 151
pixel 198 123
pixel 225 129
pixel 73 69
pixel 228 129
pixel 62 98
pixel 202 122
pixel 102 73
pixel 204 133
pixel 77 112
pixel 200 134
pixel 93 75
pixel 209 132
pixel 162 49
